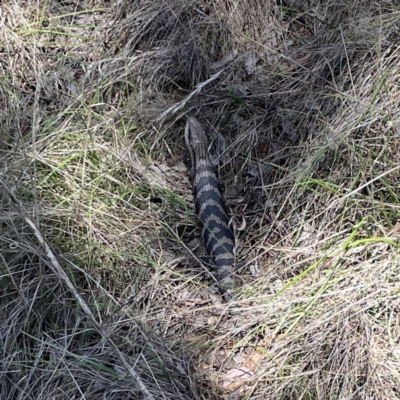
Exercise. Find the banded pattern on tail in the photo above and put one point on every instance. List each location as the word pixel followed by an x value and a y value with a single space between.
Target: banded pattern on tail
pixel 210 207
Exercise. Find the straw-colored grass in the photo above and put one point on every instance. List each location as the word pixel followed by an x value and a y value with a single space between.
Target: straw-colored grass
pixel 104 290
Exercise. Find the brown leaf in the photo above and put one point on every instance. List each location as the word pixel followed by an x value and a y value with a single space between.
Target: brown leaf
pixel 236 377
pixel 253 361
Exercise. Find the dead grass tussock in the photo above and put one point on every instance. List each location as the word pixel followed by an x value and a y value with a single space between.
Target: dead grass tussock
pixel 303 112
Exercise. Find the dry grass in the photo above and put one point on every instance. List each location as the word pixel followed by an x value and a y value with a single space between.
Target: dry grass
pixel 301 99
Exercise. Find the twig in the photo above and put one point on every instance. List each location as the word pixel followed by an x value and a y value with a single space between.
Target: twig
pixel 177 106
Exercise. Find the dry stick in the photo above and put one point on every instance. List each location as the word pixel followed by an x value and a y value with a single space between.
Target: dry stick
pixel 177 106
pixel 58 270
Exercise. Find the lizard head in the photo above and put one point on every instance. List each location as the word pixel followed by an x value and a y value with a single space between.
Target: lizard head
pixel 194 134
